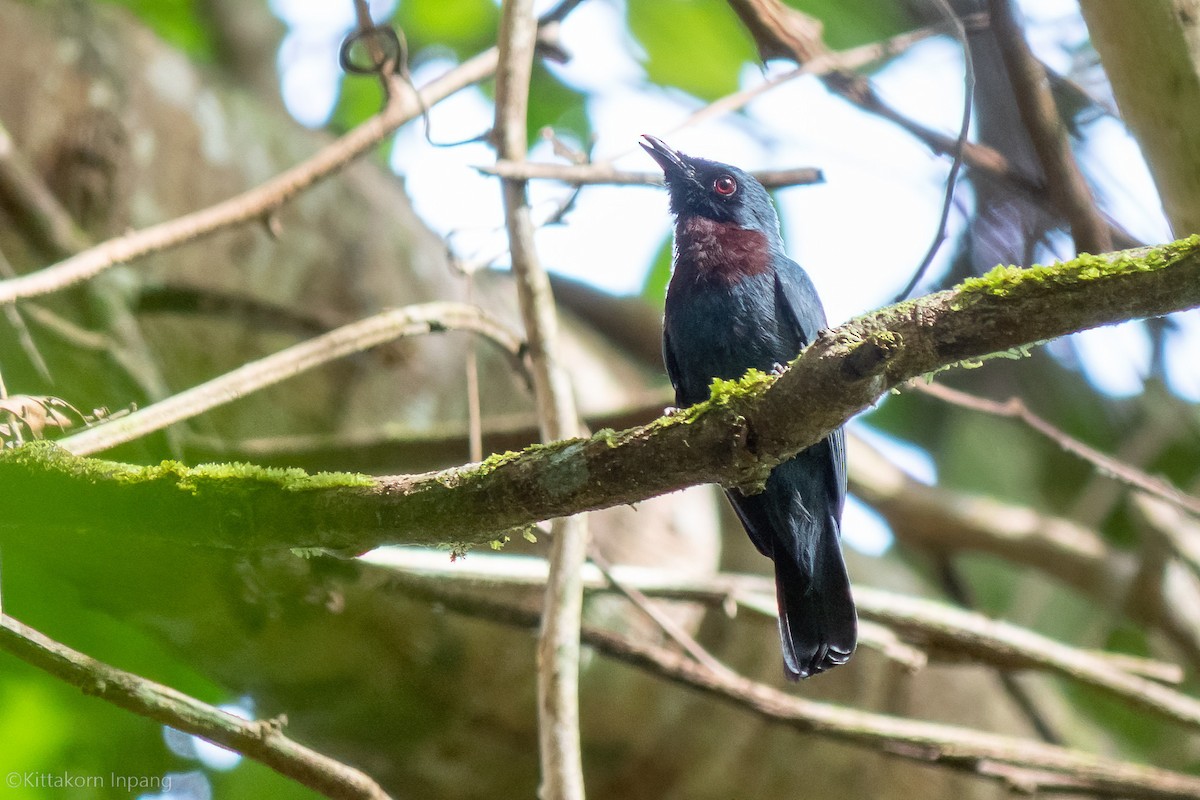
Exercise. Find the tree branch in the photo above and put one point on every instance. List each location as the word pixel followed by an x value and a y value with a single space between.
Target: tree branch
pixel 734 439
pixel 263 741
pixel 401 107
pixel 33 206
pixel 604 172
pixel 289 362
pixel 558 636
pixel 1109 466
pixel 1064 181
pixel 1034 765
pixel 938 628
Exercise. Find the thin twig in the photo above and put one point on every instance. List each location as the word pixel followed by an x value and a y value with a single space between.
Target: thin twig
pixel 263 741
pixel 558 637
pixel 384 65
pixel 960 33
pixel 66 331
pixel 1015 408
pixel 17 321
pixel 656 615
pixel 936 518
pixel 1179 534
pixel 959 591
pixel 996 642
pixel 1064 181
pixel 846 369
pixel 353 338
pixel 1040 766
pixel 940 629
pixel 603 172
pixel 777 32
pixel 256 202
pixel 34 207
pixel 833 61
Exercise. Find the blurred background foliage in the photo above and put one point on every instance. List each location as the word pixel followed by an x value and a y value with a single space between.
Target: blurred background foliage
pixel 260 633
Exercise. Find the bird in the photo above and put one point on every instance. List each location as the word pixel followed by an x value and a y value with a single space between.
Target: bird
pixel 736 302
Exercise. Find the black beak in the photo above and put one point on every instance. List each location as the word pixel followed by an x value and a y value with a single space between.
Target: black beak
pixel 674 164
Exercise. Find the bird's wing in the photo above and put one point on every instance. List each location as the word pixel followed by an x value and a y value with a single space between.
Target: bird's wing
pixel 837 453
pixel 797 297
pixel 671 364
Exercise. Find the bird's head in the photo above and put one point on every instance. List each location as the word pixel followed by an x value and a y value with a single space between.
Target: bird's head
pixel 710 189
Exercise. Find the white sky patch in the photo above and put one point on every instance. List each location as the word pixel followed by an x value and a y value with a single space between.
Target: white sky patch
pixel 1122 181
pixel 1115 358
pixel 913 460
pixel 1054 29
pixel 864 529
pixel 860 235
pixel 308 56
pixel 602 54
pixel 309 87
pixel 1183 343
pixel 185 745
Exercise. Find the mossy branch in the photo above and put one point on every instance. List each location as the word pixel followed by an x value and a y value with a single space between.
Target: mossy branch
pixel 734 438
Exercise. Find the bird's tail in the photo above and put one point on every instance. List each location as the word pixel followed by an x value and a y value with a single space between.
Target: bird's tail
pixel 817 622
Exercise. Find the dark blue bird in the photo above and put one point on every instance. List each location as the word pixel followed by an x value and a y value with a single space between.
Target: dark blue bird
pixel 736 302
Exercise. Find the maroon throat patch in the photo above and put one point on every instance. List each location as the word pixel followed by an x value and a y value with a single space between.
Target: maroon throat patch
pixel 720 250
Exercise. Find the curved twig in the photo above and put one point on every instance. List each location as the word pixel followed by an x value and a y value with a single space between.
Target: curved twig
pixel 1020 763
pixel 1015 408
pixel 937 628
pixel 263 741
pixel 960 33
pixel 254 203
pixel 353 338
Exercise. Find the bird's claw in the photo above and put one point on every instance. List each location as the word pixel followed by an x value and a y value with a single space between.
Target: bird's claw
pixel 778 369
pixel 671 411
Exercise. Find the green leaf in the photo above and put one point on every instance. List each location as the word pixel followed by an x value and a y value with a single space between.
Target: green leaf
pixel 464 26
pixel 176 22
pixel 695 45
pixel 654 289
pixel 849 23
pixel 359 97
pixel 555 105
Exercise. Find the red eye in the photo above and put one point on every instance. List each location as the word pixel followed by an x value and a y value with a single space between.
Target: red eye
pixel 725 185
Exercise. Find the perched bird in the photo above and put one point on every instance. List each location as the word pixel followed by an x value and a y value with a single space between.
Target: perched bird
pixel 736 302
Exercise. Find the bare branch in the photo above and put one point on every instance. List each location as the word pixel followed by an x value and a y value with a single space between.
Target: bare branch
pixel 669 626
pixel 844 371
pixel 941 630
pixel 37 211
pixel 1064 181
pixel 263 741
pixel 402 106
pixel 1039 766
pixel 1015 408
pixel 353 338
pixel 558 636
pixel 604 172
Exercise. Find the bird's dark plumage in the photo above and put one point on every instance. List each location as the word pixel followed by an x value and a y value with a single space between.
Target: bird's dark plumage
pixel 736 302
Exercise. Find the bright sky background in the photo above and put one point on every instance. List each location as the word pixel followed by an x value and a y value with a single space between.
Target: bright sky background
pixel 879 203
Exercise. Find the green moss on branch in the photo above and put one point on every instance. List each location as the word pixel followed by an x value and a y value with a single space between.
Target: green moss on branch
pixel 734 438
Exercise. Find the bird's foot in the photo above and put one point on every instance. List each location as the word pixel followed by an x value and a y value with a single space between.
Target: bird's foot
pixel 778 369
pixel 671 411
